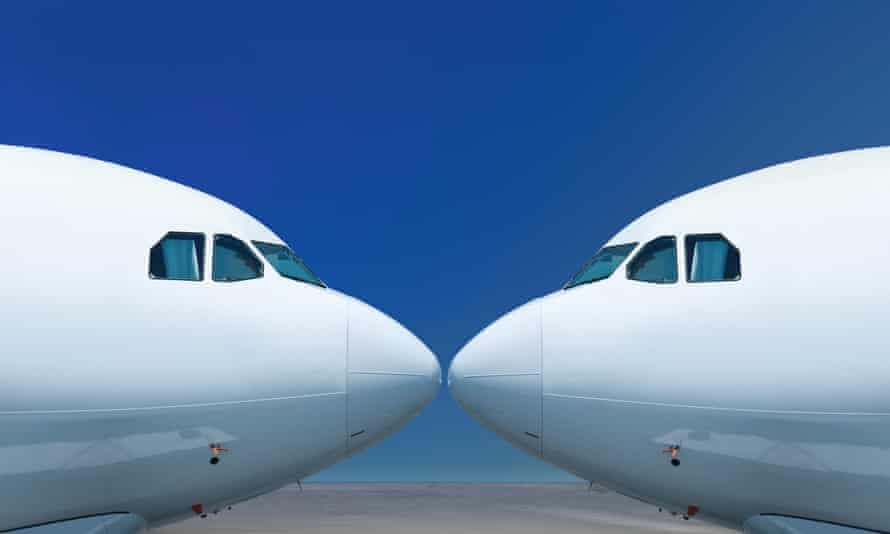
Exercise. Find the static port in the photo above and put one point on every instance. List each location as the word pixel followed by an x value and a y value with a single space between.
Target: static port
pixel 214 460
pixel 675 462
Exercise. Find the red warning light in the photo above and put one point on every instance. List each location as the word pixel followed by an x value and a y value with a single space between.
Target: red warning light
pixel 691 510
pixel 198 508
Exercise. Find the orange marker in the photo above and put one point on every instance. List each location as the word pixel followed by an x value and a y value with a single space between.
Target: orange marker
pixel 674 450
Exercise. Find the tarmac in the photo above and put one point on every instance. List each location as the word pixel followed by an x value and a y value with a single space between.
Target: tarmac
pixel 438 508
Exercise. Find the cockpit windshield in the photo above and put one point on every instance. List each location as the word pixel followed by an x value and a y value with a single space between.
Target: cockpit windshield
pixel 602 265
pixel 287 263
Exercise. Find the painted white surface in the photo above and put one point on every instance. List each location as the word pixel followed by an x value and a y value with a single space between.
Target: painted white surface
pixel 775 384
pixel 388 383
pixel 498 377
pixel 114 385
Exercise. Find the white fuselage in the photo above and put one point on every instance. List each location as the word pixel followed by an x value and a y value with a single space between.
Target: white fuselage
pixel 772 387
pixel 115 385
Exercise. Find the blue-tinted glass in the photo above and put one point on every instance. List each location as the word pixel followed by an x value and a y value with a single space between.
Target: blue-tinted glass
pixel 179 256
pixel 602 265
pixel 711 258
pixel 233 260
pixel 287 263
pixel 656 262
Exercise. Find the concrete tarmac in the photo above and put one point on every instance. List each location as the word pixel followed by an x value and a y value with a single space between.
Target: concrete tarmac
pixel 441 508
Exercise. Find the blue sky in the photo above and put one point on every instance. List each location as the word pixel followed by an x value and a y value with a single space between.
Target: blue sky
pixel 445 162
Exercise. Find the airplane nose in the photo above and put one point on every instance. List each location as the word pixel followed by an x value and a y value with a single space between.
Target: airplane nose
pixel 496 377
pixel 391 376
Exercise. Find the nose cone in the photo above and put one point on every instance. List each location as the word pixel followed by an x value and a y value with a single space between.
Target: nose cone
pixel 391 376
pixel 496 377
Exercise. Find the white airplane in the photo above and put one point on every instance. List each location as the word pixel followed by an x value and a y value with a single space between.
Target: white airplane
pixel 165 355
pixel 725 356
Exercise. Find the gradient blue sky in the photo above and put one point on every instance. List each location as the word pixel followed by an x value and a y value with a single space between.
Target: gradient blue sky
pixel 448 162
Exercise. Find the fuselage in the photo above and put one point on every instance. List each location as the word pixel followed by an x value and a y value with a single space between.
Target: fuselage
pixel 759 392
pixel 125 390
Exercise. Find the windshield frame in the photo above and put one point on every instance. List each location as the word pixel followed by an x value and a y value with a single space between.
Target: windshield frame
pixel 258 245
pixel 632 246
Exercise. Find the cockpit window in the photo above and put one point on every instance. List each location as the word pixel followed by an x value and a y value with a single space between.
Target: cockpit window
pixel 287 263
pixel 602 265
pixel 178 256
pixel 233 261
pixel 711 258
pixel 656 262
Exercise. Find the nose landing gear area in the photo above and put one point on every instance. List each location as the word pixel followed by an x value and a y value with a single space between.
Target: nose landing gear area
pixel 674 451
pixel 216 449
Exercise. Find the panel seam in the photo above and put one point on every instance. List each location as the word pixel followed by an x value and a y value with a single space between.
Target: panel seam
pixel 174 406
pixel 541 354
pixel 712 408
pixel 494 375
pixel 346 384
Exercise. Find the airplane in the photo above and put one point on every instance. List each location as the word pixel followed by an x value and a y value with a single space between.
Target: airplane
pixel 165 355
pixel 724 356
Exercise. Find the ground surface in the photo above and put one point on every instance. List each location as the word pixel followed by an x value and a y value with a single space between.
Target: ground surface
pixel 441 508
